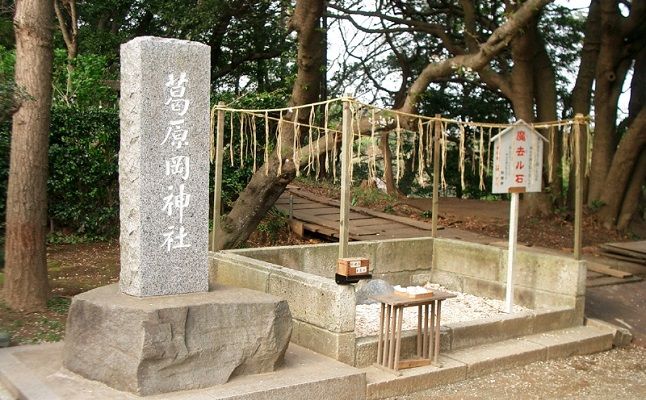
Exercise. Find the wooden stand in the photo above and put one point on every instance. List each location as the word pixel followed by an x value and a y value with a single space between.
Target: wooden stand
pixel 428 330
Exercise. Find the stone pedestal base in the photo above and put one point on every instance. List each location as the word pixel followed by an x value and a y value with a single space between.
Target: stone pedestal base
pixel 162 344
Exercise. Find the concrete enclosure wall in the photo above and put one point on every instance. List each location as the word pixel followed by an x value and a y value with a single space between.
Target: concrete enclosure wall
pixel 393 260
pixel 324 312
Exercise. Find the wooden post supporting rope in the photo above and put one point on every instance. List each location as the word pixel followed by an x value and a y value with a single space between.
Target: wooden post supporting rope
pixel 579 154
pixel 217 178
pixel 346 184
pixel 436 173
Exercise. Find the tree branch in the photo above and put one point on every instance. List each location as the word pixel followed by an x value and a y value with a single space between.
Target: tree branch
pixel 498 40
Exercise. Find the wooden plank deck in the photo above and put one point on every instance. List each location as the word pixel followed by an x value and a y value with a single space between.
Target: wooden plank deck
pixel 321 216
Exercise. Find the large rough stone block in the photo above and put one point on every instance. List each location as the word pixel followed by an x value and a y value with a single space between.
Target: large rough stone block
pixel 168 343
pixel 164 166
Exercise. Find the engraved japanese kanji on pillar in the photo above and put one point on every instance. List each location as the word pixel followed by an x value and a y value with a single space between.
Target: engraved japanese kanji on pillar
pixel 164 166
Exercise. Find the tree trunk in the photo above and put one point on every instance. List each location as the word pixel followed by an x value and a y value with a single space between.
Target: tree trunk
pixel 70 36
pixel 582 93
pixel 610 75
pixel 389 177
pixel 264 189
pixel 546 98
pixel 628 152
pixel 633 195
pixel 26 286
pixel 525 50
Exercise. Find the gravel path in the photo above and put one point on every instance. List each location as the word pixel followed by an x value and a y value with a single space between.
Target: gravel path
pixel 615 374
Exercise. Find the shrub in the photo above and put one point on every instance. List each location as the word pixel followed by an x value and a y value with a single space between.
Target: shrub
pixel 83 186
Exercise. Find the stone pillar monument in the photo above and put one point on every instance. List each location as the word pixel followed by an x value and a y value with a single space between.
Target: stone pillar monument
pixel 161 329
pixel 164 166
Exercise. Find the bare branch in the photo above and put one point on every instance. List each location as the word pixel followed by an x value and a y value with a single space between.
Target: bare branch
pixel 498 40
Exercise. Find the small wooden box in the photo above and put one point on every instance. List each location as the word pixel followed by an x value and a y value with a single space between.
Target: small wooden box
pixel 353 266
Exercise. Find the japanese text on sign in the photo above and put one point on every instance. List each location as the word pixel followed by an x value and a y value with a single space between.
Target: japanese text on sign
pixel 177 167
pixel 518 159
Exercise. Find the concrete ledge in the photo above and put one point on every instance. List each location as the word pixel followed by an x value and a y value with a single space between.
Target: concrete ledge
pixel 573 341
pixel 18 378
pixel 339 346
pixel 484 359
pixel 621 336
pixel 473 333
pixel 549 320
pixel 366 347
pixel 35 373
pixel 461 335
pixel 383 384
pixel 493 357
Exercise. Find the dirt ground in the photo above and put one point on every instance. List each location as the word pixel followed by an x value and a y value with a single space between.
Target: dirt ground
pixel 620 373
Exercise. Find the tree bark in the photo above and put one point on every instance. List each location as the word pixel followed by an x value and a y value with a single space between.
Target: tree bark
pixel 526 89
pixel 610 75
pixel 582 93
pixel 69 30
pixel 478 61
pixel 633 195
pixel 628 152
pixel 546 99
pixel 389 177
pixel 26 286
pixel 263 190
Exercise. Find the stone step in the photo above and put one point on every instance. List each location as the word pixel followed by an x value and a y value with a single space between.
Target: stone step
pixel 483 359
pixel 35 373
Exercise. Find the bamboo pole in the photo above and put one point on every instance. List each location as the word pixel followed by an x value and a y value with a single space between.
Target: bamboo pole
pixel 578 186
pixel 346 165
pixel 217 178
pixel 436 173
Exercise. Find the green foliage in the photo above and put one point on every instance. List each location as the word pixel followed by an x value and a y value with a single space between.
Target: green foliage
pixel 88 75
pixel 274 223
pixel 58 237
pixel 8 91
pixel 368 197
pixel 248 39
pixel 83 160
pixel 596 205
pixel 59 305
pixel 47 331
pixel 7 38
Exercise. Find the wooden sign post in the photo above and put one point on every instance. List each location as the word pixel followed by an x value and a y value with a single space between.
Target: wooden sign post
pixel 517 168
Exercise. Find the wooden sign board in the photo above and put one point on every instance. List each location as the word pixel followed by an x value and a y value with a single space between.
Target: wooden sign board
pixel 518 159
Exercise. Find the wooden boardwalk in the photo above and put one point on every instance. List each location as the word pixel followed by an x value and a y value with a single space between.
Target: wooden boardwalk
pixel 320 216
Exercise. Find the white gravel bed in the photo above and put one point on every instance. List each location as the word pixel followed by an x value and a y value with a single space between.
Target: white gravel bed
pixel 464 307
